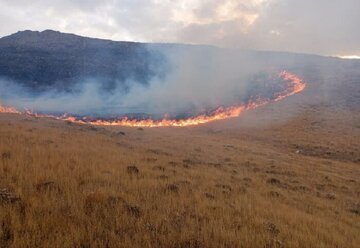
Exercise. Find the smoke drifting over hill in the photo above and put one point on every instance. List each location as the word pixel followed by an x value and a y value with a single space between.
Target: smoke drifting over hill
pixel 51 72
pixel 192 80
pixel 199 79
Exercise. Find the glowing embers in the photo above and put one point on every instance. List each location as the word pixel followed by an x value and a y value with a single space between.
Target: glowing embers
pixel 293 85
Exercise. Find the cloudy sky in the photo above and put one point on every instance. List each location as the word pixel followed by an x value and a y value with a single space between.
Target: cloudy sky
pixel 328 27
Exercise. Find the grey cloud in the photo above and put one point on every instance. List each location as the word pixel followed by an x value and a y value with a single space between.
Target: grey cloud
pixel 323 27
pixel 327 27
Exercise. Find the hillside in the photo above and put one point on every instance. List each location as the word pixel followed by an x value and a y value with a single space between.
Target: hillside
pixel 284 175
pixel 42 60
pixel 268 182
pixel 53 60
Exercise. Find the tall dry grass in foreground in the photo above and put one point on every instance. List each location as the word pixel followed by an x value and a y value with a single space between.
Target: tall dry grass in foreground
pixel 64 185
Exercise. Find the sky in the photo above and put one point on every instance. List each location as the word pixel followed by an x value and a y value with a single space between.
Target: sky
pixel 326 27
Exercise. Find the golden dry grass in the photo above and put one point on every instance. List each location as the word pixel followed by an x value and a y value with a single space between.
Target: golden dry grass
pixel 213 186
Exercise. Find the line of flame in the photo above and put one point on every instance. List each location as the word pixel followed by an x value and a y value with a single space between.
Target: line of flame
pixel 295 85
pixel 10 110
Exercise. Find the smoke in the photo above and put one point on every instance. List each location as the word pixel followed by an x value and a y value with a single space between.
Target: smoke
pixel 86 98
pixel 200 79
pixel 197 79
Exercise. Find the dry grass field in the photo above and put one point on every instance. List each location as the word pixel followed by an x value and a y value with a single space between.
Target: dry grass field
pixel 270 178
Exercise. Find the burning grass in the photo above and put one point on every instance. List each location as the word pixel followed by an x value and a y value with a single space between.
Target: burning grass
pixel 69 186
pixel 293 183
pixel 291 85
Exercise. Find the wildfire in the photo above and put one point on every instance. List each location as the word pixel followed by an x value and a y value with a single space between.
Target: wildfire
pixel 11 110
pixel 294 86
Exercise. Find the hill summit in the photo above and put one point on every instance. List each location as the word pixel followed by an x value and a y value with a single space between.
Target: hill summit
pixel 41 60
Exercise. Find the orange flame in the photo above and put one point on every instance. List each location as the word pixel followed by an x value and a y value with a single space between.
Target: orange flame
pixel 294 86
pixel 11 110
